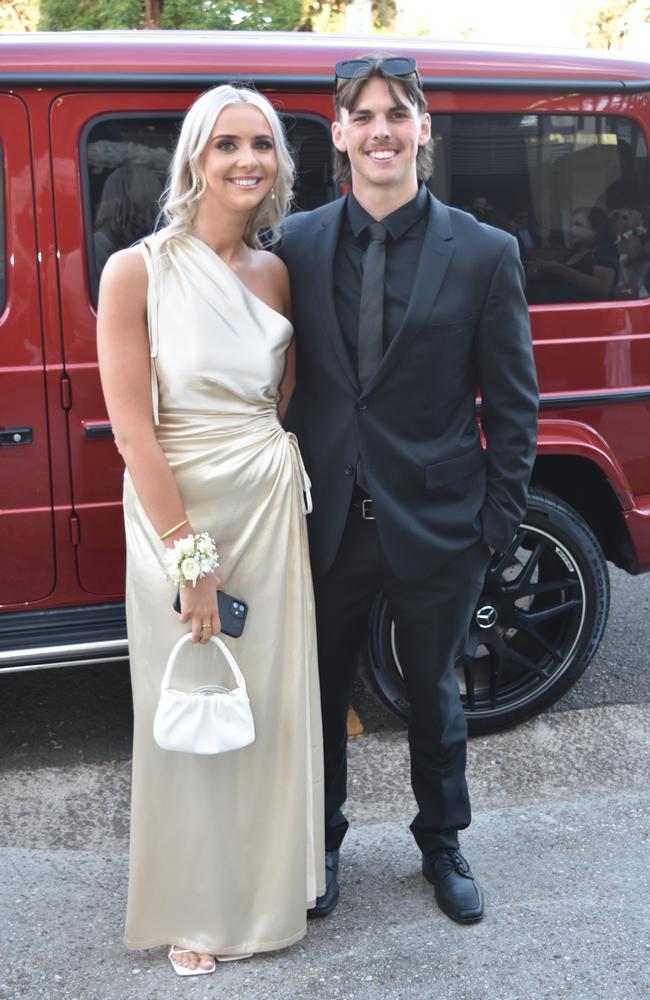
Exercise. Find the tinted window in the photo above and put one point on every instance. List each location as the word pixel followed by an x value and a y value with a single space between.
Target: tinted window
pixel 126 161
pixel 574 190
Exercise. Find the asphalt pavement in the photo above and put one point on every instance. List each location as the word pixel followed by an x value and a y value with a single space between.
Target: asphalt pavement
pixel 560 841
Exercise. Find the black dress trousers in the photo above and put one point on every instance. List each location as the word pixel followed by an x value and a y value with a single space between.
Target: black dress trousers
pixel 432 620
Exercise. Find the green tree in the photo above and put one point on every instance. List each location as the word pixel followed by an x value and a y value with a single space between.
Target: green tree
pixel 88 15
pixel 319 15
pixel 253 15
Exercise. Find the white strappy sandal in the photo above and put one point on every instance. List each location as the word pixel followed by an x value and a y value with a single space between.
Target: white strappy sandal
pixel 184 970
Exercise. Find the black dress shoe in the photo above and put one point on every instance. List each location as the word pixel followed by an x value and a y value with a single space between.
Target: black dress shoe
pixel 326 903
pixel 457 894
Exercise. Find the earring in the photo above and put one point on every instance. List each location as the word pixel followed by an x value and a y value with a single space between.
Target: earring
pixel 272 194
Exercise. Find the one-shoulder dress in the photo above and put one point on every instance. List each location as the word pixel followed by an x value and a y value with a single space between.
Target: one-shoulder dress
pixel 227 851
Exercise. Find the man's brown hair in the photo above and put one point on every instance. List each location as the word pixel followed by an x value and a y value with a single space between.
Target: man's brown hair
pixel 346 95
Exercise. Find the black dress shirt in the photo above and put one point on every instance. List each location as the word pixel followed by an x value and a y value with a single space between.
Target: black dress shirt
pixel 406 227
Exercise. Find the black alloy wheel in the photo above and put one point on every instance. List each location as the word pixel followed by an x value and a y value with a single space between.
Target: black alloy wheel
pixel 535 629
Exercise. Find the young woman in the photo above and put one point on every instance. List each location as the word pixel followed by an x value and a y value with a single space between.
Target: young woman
pixel 194 347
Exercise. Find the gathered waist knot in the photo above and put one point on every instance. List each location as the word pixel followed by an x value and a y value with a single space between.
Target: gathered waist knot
pixel 243 432
pixel 220 423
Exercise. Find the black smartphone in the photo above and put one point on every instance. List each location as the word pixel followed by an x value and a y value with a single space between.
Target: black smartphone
pixel 232 612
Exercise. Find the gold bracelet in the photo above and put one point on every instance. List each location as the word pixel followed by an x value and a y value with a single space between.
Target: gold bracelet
pixel 172 530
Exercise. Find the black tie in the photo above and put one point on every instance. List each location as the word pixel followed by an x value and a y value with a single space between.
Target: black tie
pixel 371 306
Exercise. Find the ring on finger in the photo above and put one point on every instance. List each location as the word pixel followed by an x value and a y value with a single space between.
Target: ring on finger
pixel 204 627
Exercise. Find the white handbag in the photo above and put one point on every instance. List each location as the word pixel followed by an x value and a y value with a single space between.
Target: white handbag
pixel 207 720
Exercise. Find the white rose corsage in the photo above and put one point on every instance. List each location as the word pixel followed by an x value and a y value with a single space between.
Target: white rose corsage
pixel 191 558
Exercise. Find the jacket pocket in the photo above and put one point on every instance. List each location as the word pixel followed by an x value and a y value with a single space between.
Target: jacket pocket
pixel 442 473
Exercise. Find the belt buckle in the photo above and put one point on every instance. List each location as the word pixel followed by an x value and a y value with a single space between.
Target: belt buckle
pixel 366 508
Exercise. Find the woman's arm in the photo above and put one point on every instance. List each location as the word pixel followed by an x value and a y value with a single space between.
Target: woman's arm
pixel 124 362
pixel 599 284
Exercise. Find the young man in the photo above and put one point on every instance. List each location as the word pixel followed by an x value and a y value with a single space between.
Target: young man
pixel 404 309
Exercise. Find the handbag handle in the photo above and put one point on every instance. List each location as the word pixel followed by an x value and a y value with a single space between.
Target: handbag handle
pixel 230 660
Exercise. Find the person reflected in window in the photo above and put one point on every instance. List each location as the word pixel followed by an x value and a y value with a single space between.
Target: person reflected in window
pixel 127 210
pixel 484 211
pixel 590 268
pixel 633 247
pixel 481 208
pixel 523 228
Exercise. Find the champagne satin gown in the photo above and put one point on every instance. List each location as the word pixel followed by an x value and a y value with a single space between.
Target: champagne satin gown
pixel 227 851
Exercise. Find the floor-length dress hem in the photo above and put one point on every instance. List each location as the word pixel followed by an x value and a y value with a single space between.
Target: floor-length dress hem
pixel 212 949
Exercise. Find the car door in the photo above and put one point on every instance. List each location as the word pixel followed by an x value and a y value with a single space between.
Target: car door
pixel 26 511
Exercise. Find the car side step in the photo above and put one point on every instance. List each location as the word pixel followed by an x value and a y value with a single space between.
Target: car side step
pixel 62 637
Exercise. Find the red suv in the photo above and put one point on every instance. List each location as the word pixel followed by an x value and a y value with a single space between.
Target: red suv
pixel 553 149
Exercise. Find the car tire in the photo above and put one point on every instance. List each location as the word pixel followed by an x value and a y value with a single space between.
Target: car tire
pixel 535 629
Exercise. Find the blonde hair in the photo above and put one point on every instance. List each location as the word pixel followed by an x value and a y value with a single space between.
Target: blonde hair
pixel 186 178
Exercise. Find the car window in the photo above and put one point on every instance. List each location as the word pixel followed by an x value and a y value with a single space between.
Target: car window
pixel 573 189
pixel 124 164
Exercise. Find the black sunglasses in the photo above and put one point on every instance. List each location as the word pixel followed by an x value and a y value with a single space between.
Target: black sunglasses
pixel 349 69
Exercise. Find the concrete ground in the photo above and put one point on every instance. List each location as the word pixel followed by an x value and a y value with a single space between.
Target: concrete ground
pixel 560 842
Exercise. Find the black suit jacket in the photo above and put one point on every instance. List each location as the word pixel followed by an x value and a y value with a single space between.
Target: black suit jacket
pixel 435 490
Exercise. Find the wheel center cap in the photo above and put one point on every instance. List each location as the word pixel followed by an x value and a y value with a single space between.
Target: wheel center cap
pixel 486 616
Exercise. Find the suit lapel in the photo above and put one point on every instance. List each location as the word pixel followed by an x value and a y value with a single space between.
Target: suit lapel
pixel 325 240
pixel 437 251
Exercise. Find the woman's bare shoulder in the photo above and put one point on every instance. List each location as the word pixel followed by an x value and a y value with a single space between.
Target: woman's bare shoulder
pixel 273 269
pixel 276 279
pixel 125 272
pixel 123 288
pixel 271 263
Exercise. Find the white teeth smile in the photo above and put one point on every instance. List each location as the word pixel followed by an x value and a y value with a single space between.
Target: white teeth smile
pixel 244 182
pixel 382 154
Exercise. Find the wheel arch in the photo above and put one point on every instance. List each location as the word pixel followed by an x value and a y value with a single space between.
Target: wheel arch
pixel 575 463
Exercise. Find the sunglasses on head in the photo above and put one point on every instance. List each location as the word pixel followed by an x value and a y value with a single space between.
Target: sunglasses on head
pixel 349 69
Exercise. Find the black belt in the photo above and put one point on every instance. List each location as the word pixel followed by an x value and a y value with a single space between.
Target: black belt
pixel 363 503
